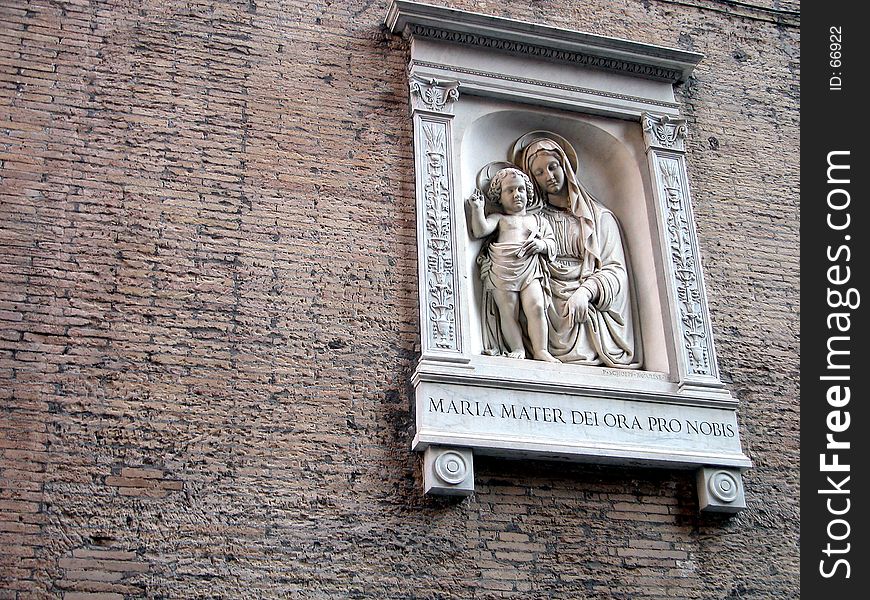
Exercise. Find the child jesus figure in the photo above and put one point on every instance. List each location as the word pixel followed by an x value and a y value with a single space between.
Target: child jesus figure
pixel 517 273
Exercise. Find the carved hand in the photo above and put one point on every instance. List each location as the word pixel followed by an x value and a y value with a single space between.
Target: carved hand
pixel 577 307
pixel 532 245
pixel 476 200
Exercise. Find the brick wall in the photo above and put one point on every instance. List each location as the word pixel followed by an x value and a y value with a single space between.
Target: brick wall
pixel 208 315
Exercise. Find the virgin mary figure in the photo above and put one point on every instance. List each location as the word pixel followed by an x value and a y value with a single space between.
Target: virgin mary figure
pixel 590 316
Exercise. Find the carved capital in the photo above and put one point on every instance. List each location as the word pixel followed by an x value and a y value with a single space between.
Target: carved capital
pixel 662 131
pixel 432 94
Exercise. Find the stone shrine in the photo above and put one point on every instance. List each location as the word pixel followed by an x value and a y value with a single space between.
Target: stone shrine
pixel 562 303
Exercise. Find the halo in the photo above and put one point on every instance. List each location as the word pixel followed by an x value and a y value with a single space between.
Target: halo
pixel 488 172
pixel 516 152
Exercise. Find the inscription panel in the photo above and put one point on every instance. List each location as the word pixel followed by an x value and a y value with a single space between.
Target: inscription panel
pixel 522 422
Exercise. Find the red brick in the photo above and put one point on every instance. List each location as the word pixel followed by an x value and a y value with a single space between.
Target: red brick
pixel 198 196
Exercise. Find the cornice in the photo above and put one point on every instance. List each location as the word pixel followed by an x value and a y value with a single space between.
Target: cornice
pixel 450 25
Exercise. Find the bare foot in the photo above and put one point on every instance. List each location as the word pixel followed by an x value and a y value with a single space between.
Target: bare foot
pixel 517 354
pixel 546 356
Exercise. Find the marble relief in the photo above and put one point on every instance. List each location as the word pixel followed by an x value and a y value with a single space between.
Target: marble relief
pixel 553 268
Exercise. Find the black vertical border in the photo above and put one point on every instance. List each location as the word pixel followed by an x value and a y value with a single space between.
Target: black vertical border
pixel 833 119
